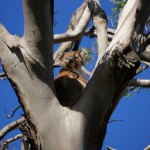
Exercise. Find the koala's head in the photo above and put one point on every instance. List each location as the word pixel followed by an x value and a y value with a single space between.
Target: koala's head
pixel 72 60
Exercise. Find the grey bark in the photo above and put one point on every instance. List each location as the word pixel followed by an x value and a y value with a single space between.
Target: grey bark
pixel 28 64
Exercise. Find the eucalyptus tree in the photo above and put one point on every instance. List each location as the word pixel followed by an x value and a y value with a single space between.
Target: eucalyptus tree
pixel 28 65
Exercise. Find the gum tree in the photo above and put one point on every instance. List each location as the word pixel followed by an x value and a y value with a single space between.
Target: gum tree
pixel 28 65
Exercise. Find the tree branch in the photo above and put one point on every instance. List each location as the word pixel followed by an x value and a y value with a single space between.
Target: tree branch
pixel 140 42
pixel 147 147
pixel 146 55
pixel 112 75
pixel 11 127
pixel 91 32
pixel 100 21
pixel 7 38
pixel 3 76
pixel 130 11
pixel 5 143
pixel 37 31
pixel 110 148
pixel 140 83
pixel 79 30
pixel 88 73
pixel 66 46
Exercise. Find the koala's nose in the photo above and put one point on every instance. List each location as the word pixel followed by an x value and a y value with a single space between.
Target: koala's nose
pixel 70 58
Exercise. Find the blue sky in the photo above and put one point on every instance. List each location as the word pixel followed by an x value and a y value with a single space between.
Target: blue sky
pixel 133 133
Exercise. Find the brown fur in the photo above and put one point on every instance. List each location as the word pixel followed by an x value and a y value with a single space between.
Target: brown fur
pixel 69 82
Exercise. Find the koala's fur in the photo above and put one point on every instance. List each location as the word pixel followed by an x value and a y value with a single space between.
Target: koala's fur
pixel 71 81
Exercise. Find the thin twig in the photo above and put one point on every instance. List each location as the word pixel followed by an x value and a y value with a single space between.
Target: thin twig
pixel 13 125
pixel 115 121
pixel 3 76
pixel 110 148
pixel 13 112
pixel 5 143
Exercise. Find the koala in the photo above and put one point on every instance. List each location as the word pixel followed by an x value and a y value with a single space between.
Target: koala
pixel 71 80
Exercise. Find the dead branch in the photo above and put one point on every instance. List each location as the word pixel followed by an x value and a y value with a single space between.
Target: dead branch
pixel 13 112
pixel 5 143
pixel 11 127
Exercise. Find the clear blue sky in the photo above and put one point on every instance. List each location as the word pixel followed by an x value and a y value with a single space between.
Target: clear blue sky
pixel 133 133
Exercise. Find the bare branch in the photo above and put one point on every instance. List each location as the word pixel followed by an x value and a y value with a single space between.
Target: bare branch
pixel 13 112
pixel 91 32
pixel 5 143
pixel 141 68
pixel 124 36
pixel 145 56
pixel 119 65
pixel 110 148
pixel 11 127
pixel 88 73
pixel 66 46
pixel 3 76
pixel 100 22
pixel 140 42
pixel 115 121
pixel 147 147
pixel 79 30
pixel 140 83
pixel 145 62
pixel 76 45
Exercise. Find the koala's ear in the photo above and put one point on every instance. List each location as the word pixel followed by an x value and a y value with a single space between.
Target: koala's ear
pixel 57 59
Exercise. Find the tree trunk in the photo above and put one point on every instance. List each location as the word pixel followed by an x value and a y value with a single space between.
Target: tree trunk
pixel 28 63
